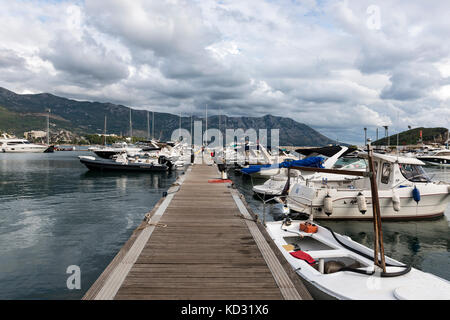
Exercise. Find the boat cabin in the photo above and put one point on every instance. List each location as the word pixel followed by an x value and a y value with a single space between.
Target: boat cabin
pixel 395 172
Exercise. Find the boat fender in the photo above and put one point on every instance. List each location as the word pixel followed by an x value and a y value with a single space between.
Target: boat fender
pixel 361 200
pixel 328 205
pixel 416 194
pixel 396 201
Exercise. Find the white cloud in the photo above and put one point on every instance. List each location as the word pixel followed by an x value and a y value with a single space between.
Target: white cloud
pixel 315 61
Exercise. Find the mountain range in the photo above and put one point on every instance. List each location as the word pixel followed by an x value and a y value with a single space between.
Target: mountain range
pixel 24 112
pixel 415 136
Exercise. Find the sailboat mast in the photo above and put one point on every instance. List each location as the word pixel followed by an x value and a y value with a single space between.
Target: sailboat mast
pixel 148 125
pixel 153 124
pixel 131 127
pixel 206 128
pixel 104 133
pixel 48 127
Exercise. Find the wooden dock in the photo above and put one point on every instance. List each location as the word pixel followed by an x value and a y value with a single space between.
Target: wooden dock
pixel 200 243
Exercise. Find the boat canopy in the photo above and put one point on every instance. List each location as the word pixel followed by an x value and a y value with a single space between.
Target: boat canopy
pixel 313 162
pixel 393 159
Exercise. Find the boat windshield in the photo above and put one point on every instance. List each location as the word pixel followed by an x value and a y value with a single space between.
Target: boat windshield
pixel 442 153
pixel 350 164
pixel 414 173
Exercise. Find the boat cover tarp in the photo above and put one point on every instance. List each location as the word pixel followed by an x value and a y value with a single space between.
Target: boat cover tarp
pixel 312 162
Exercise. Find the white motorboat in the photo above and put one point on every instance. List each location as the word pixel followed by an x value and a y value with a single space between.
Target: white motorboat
pixel 16 145
pixel 276 184
pixel 405 192
pixel 122 162
pixel 333 266
pixel 437 157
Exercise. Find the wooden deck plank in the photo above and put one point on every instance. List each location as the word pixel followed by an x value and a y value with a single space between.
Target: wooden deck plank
pixel 202 248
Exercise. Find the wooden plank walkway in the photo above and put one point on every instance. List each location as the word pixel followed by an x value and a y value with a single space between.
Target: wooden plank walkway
pixel 201 243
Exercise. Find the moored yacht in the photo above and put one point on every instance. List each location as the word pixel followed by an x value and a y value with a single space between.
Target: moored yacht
pixel 405 192
pixel 16 145
pixel 122 162
pixel 437 157
pixel 335 159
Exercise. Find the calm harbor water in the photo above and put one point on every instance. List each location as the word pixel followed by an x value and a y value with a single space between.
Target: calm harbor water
pixel 423 244
pixel 55 213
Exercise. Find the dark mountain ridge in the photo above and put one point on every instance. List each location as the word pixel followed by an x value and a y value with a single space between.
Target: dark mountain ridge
pixel 24 112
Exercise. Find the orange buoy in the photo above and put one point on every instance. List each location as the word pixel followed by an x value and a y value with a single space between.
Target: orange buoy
pixel 220 181
pixel 308 227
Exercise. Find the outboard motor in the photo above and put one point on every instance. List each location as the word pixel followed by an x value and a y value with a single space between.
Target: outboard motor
pixel 164 160
pixel 223 170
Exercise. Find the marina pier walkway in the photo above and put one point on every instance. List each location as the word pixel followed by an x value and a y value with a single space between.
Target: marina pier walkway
pixel 199 243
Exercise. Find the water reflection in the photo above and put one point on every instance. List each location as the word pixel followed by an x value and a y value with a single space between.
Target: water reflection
pixel 54 212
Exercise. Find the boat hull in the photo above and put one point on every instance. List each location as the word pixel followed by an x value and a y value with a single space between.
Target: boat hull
pixel 436 161
pixel 106 166
pixel 409 283
pixel 15 150
pixel 345 207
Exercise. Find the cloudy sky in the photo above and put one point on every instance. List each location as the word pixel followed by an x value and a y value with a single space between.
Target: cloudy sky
pixel 338 66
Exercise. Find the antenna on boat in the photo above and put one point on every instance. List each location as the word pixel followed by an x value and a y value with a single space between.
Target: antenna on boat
pixel 378 232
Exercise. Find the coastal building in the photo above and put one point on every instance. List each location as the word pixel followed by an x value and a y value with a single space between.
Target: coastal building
pixel 35 134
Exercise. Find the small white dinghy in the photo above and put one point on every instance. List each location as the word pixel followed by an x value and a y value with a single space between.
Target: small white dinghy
pixel 335 266
pixel 344 269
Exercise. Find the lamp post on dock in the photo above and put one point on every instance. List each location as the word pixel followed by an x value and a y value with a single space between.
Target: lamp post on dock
pixel 386 134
